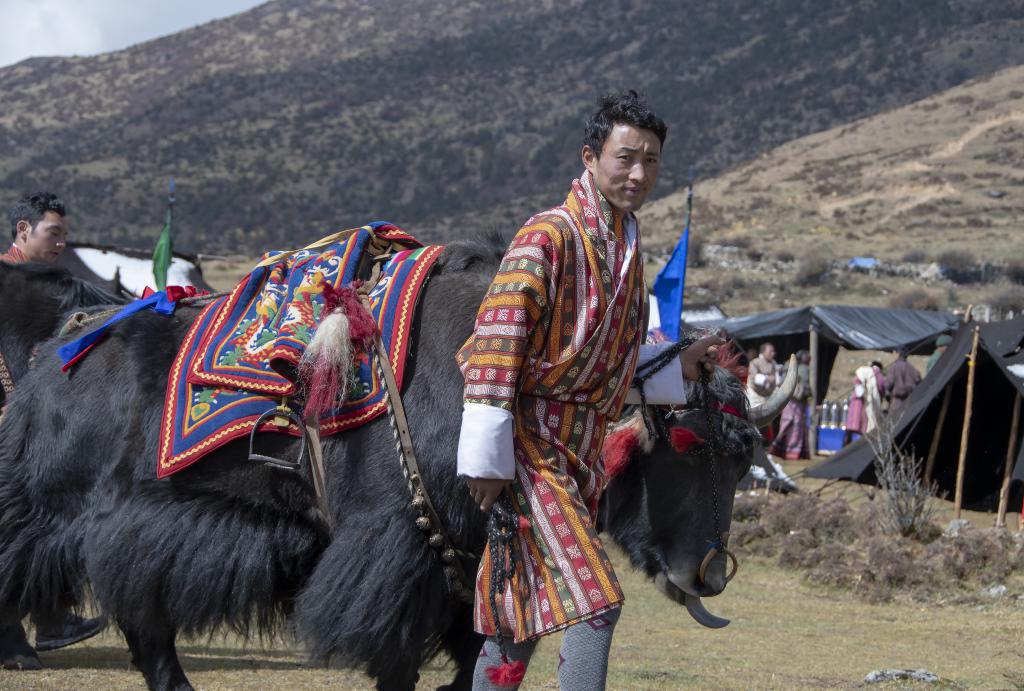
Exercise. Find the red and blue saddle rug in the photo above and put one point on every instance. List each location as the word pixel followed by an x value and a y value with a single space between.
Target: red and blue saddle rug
pixel 222 380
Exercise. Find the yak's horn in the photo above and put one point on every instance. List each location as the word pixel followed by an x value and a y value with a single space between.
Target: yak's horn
pixel 762 415
pixel 701 615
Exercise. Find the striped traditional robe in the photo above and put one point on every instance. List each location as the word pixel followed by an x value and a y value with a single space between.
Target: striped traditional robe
pixel 556 343
pixel 13 256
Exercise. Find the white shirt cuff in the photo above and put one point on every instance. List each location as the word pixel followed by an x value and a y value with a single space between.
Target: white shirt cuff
pixel 485 443
pixel 667 386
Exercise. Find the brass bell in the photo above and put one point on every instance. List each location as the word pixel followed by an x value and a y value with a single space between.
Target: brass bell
pixel 419 503
pixel 423 523
pixel 436 540
pixel 448 555
pixel 451 574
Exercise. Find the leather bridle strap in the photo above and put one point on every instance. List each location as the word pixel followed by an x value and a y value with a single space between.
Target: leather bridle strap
pixel 429 520
pixel 316 454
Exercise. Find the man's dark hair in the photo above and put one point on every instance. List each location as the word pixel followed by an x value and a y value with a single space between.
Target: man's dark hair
pixel 32 208
pixel 627 108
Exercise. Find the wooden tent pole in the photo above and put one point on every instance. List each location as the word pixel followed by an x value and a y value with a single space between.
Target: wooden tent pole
pixel 936 434
pixel 812 437
pixel 968 404
pixel 1004 492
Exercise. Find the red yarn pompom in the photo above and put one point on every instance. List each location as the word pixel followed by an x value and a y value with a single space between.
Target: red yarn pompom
pixel 618 449
pixel 362 328
pixel 682 439
pixel 507 674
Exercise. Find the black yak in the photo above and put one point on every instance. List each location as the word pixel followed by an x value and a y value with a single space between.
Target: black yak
pixel 229 542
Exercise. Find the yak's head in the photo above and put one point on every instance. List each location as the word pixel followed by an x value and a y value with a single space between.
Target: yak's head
pixel 669 498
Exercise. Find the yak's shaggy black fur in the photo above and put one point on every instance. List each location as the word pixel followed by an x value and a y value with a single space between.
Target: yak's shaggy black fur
pixel 231 543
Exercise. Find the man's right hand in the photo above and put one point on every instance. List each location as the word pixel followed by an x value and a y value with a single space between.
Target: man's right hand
pixel 485 491
pixel 699 356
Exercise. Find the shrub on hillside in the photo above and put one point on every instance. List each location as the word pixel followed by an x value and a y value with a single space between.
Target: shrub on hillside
pixel 743 242
pixel 915 299
pixel 785 256
pixel 959 266
pixel 812 269
pixel 1007 300
pixel 836 544
pixel 695 251
pixel 1015 270
pixel 915 257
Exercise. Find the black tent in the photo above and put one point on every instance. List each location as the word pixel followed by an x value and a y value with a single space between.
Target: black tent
pixel 824 328
pixel 999 378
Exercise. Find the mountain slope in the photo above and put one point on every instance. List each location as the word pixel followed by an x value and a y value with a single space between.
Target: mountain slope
pixel 448 117
pixel 941 174
pixel 933 190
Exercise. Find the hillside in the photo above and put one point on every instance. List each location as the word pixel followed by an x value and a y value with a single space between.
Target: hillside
pixel 936 182
pixel 300 116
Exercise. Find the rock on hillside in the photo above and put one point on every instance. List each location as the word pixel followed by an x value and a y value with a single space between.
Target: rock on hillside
pixel 451 116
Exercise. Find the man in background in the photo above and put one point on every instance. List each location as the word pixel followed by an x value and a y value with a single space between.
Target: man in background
pixel 39 229
pixel 941 343
pixel 900 381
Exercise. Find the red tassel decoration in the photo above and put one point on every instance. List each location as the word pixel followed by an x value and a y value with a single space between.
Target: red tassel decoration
pixel 361 326
pixel 507 674
pixel 346 328
pixel 618 449
pixel 524 524
pixel 682 439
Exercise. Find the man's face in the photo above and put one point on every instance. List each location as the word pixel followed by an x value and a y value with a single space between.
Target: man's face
pixel 45 241
pixel 627 167
pixel 769 354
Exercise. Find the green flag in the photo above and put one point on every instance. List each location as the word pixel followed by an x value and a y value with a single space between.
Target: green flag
pixel 162 253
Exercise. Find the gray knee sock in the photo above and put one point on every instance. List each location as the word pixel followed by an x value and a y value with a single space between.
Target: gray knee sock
pixel 583 659
pixel 490 656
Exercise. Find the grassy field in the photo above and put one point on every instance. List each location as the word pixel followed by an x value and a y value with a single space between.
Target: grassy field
pixel 785 634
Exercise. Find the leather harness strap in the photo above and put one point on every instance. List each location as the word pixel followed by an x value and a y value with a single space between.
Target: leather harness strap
pixel 429 520
pixel 316 454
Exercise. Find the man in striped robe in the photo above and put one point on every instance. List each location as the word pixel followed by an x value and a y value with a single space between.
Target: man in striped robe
pixel 550 363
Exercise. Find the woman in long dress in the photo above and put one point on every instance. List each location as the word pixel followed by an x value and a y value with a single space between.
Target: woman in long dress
pixel 866 399
pixel 791 442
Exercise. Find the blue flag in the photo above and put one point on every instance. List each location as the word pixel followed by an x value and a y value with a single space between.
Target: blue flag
pixel 668 286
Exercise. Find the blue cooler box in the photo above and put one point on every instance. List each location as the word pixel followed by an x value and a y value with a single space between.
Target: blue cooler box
pixel 830 439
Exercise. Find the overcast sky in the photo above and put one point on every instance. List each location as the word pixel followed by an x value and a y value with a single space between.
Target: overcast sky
pixel 30 28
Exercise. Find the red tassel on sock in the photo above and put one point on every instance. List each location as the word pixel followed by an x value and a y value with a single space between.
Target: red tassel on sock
pixel 507 674
pixel 682 439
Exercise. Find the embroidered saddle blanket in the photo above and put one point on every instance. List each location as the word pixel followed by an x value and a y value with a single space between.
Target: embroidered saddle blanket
pixel 222 380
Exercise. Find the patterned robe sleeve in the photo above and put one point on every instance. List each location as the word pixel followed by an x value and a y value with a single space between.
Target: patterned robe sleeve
pixel 511 327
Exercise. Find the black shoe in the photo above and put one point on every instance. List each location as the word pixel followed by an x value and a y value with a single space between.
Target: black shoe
pixel 73 630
